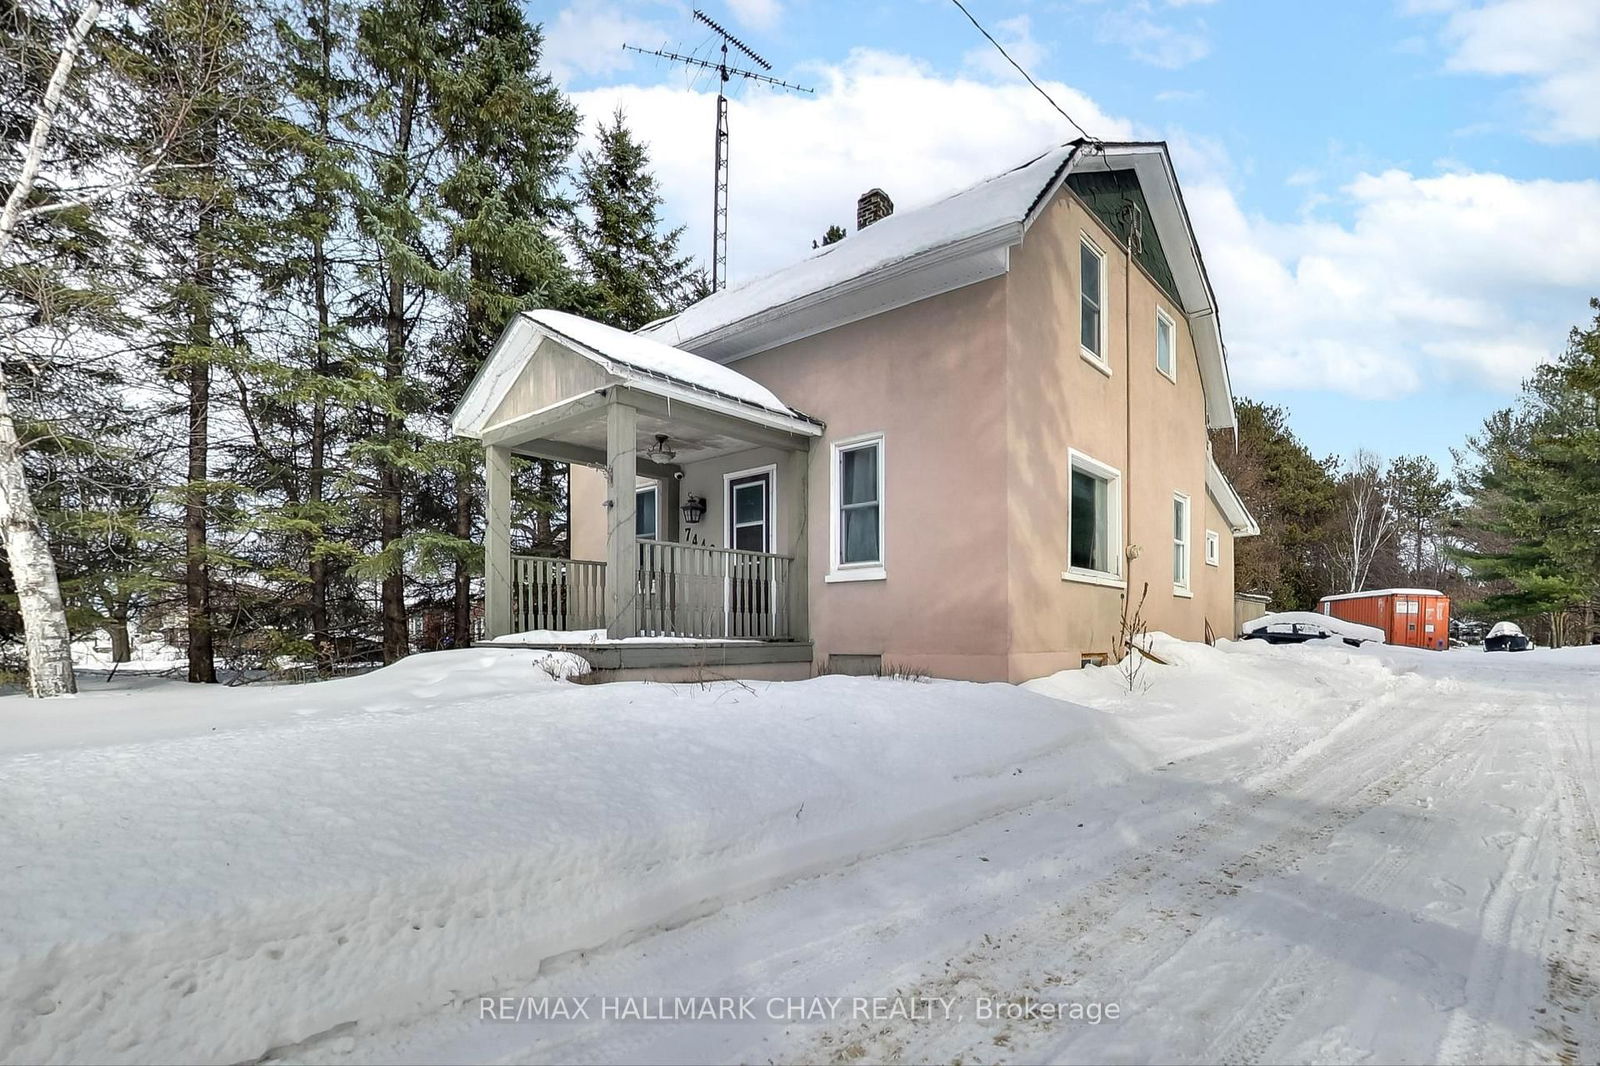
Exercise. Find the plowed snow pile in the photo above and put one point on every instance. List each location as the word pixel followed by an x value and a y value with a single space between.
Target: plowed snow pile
pixel 209 875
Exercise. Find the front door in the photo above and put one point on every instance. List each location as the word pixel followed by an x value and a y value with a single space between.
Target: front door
pixel 749 593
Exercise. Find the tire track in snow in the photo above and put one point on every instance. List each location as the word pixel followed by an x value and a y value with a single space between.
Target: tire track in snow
pixel 1571 1018
pixel 1111 917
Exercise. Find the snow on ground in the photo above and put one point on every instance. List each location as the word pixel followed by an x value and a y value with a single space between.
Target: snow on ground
pixel 217 873
pixel 1307 853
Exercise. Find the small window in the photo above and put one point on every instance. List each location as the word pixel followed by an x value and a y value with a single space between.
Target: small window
pixel 1180 542
pixel 1092 286
pixel 857 492
pixel 1166 340
pixel 1213 548
pixel 647 513
pixel 1093 519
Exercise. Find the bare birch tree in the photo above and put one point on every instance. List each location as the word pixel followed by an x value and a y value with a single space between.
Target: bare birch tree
pixel 33 569
pixel 1365 523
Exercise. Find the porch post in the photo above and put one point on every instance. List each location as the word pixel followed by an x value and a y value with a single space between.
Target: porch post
pixel 793 470
pixel 497 619
pixel 622 554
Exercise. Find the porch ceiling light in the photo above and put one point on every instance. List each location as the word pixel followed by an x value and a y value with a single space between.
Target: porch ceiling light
pixel 693 509
pixel 659 452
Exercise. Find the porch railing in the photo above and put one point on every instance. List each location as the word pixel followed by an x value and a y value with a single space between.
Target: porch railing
pixel 688 590
pixel 561 594
pixel 681 590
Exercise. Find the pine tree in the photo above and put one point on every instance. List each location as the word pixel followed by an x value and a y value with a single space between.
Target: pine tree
pixel 507 132
pixel 1421 500
pixel 199 229
pixel 633 271
pixel 835 234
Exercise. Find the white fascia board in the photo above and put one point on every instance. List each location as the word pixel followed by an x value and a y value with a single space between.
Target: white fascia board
pixel 490 384
pixel 1240 521
pixel 1153 166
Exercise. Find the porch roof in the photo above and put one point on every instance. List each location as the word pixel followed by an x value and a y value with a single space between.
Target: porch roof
pixel 621 358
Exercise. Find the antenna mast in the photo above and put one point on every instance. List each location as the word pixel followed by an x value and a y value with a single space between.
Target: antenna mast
pixel 719 199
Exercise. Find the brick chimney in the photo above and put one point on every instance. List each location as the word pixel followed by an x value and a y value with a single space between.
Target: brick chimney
pixel 873 206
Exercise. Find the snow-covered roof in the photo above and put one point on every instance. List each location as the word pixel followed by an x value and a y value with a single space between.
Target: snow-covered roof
pixel 956 241
pixel 1380 592
pixel 974 211
pixel 637 360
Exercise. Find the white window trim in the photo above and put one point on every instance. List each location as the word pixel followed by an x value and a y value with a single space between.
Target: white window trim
pixel 1100 362
pixel 1184 588
pixel 1213 548
pixel 640 490
pixel 1172 331
pixel 874 571
pixel 1111 578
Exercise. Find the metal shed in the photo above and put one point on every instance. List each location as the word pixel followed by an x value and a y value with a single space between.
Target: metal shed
pixel 1417 618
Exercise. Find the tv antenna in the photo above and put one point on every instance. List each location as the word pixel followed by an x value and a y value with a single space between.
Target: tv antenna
pixel 719 199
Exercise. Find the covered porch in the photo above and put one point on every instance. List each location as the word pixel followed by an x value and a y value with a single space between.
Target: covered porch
pixel 687 493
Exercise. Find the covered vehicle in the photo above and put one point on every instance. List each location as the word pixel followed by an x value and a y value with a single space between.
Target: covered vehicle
pixel 1297 627
pixel 1506 636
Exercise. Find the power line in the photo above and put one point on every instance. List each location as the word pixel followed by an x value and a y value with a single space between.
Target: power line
pixel 1001 49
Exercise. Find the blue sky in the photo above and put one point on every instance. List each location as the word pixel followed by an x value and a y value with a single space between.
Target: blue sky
pixel 1397 199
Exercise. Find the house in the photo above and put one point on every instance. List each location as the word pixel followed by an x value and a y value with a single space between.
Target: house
pixel 953 441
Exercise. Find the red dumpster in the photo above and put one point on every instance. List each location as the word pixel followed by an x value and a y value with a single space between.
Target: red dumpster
pixel 1417 618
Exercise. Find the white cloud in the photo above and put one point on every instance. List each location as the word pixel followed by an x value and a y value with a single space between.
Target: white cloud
pixel 1551 44
pixel 799 162
pixel 1466 278
pixel 1016 34
pixel 1137 28
pixel 757 14
pixel 586 37
pixel 1450 277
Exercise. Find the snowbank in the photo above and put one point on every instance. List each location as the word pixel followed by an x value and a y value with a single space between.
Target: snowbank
pixel 241 870
pixel 1338 627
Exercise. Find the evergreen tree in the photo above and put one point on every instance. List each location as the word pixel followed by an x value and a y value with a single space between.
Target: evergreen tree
pixel 632 266
pixel 1421 500
pixel 1531 478
pixel 1291 494
pixel 199 228
pixel 835 234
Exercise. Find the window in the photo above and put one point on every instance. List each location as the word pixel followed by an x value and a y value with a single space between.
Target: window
pixel 1213 548
pixel 1166 339
pixel 857 494
pixel 1092 291
pixel 1180 542
pixel 647 513
pixel 1094 521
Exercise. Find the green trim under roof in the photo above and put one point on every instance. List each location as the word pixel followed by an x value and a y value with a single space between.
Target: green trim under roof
pixel 1106 191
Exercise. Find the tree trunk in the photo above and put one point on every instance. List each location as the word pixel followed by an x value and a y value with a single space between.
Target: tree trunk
pixel 391 483
pixel 117 626
pixel 197 567
pixel 316 476
pixel 33 570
